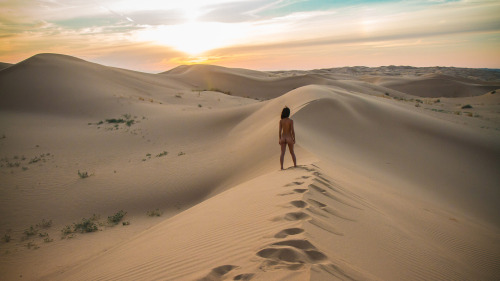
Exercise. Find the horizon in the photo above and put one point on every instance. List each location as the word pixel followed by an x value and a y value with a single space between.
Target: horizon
pixel 274 70
pixel 267 35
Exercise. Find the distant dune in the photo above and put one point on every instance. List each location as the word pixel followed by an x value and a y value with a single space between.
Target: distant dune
pixel 4 65
pixel 112 174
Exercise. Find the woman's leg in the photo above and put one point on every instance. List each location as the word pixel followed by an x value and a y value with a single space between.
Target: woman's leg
pixel 290 147
pixel 282 157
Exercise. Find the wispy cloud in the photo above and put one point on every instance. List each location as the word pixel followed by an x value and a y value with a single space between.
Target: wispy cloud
pixel 234 30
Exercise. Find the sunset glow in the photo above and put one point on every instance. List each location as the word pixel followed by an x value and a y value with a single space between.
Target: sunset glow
pixel 154 35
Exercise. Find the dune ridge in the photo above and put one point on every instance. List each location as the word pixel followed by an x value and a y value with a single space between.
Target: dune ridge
pixel 391 186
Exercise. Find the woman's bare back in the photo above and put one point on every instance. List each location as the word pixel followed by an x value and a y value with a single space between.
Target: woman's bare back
pixel 287 134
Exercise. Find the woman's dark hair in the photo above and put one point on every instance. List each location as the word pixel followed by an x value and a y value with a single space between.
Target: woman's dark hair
pixel 285 113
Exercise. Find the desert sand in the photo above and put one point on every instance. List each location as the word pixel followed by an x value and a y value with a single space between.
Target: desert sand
pixel 112 174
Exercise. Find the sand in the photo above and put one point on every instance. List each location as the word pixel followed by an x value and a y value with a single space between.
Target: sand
pixel 397 178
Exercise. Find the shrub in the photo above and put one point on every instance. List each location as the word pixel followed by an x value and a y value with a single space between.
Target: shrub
pixel 116 218
pixel 164 153
pixel 115 121
pixel 181 153
pixel 126 223
pixel 130 122
pixel 83 174
pixel 466 106
pixel 66 230
pixel 87 225
pixel 44 224
pixel 155 213
pixel 30 231
pixel 32 245
pixel 6 238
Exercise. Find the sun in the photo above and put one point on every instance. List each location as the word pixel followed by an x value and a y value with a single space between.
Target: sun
pixel 193 37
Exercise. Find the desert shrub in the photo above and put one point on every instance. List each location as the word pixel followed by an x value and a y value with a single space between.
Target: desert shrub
pixel 181 153
pixel 126 223
pixel 164 153
pixel 86 225
pixel 155 213
pixel 6 238
pixel 44 224
pixel 44 234
pixel 13 165
pixel 66 230
pixel 199 105
pixel 466 106
pixel 116 218
pixel 32 244
pixel 130 122
pixel 115 121
pixel 83 174
pixel 48 240
pixel 30 231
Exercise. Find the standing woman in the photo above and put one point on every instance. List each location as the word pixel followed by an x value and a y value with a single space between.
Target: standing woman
pixel 286 135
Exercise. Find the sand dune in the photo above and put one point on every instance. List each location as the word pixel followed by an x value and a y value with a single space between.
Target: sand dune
pixel 390 186
pixel 436 86
pixel 237 81
pixel 4 65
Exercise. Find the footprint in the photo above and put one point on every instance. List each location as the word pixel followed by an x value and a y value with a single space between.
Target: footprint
pixel 218 272
pixel 290 254
pixel 299 203
pixel 244 277
pixel 296 243
pixel 289 231
pixel 295 183
pixel 296 216
pixel 300 190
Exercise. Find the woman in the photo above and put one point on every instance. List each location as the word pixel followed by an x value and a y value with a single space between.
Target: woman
pixel 286 135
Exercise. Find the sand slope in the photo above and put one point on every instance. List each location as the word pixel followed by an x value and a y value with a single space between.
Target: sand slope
pixel 390 187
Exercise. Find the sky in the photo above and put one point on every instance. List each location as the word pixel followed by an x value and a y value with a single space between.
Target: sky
pixel 158 35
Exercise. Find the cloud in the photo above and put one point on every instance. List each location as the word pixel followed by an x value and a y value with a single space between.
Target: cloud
pixel 259 28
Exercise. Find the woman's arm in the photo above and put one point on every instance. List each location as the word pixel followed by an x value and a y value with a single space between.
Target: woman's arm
pixel 293 133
